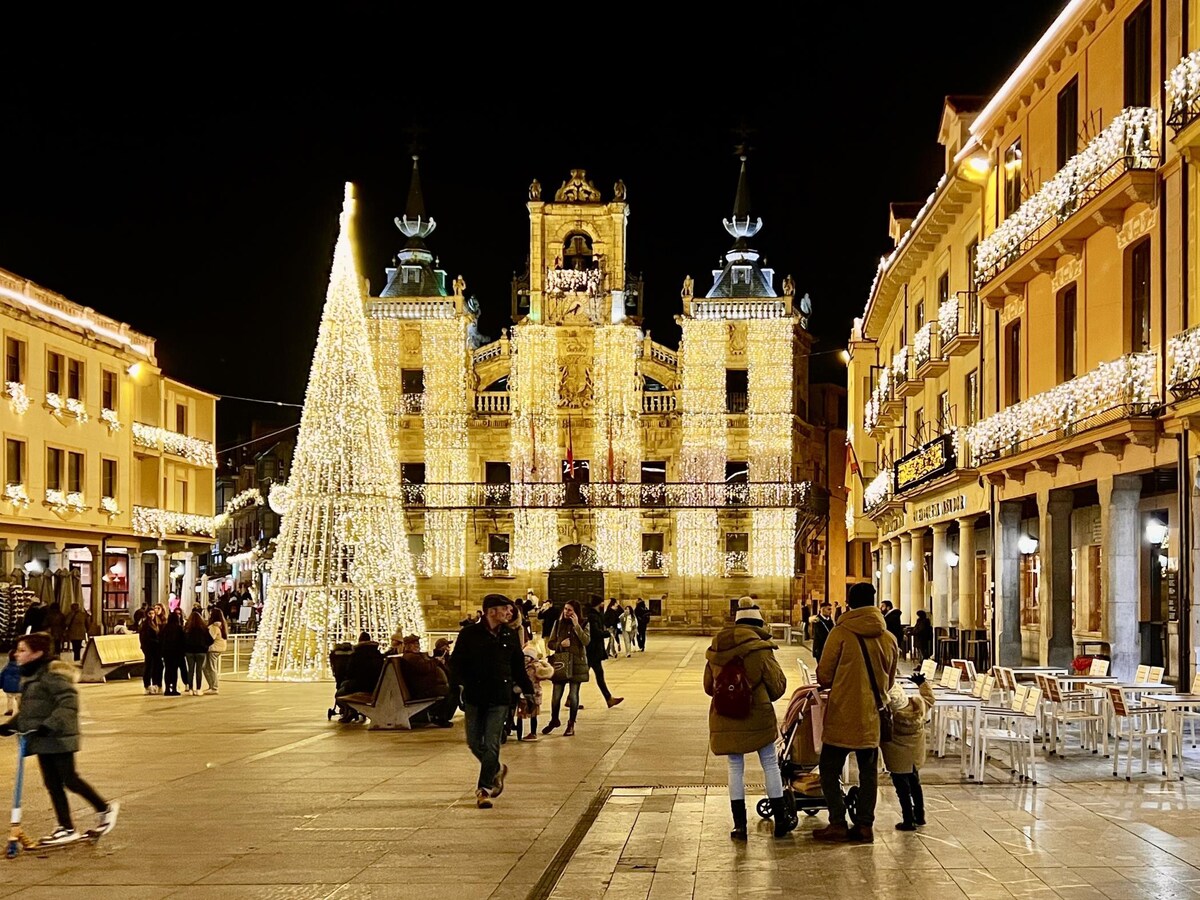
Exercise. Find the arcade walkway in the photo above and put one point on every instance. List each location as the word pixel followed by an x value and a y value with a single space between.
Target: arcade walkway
pixel 251 794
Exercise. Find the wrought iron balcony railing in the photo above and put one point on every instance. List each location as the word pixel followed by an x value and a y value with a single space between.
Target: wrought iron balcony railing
pixel 1183 92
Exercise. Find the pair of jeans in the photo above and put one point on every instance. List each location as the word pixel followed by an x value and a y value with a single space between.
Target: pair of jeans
pixel 628 641
pixel 832 760
pixel 911 797
pixel 59 775
pixel 598 668
pixel 572 699
pixel 173 667
pixel 212 668
pixel 152 670
pixel 485 724
pixel 642 637
pixel 195 666
pixel 770 765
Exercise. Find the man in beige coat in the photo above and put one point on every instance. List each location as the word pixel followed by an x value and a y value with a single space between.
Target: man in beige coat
pixel 852 713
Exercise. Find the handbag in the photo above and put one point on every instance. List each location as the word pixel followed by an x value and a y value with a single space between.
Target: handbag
pixel 562 662
pixel 881 706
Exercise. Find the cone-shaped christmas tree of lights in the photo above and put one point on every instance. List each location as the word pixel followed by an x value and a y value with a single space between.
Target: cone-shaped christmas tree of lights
pixel 342 563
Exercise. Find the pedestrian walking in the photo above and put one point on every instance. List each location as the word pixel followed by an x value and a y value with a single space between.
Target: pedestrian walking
pixel 744 679
pixel 150 638
pixel 568 645
pixel 219 629
pixel 822 625
pixel 629 630
pixel 548 615
pixel 10 683
pixel 486 664
pixel 891 617
pixel 50 711
pixel 196 641
pixel 858 667
pixel 905 752
pixel 642 613
pixel 597 650
pixel 612 624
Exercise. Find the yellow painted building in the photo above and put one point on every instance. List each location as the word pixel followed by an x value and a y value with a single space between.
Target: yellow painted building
pixel 575 454
pixel 108 463
pixel 1083 274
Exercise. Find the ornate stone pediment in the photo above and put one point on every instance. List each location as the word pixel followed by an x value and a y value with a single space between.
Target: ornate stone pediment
pixel 577 189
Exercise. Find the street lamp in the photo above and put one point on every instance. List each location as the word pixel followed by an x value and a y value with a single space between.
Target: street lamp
pixel 1156 531
pixel 951 559
pixel 890 568
pixel 909 565
pixel 1026 545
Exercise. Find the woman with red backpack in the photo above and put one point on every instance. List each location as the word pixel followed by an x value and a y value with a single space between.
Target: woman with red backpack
pixel 744 679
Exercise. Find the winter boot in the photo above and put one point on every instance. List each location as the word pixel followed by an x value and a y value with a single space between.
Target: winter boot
pixel 906 809
pixel 570 731
pixel 738 807
pixel 918 801
pixel 784 822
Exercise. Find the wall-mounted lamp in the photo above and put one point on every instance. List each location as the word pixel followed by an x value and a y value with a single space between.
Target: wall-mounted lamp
pixel 1027 545
pixel 952 559
pixel 878 574
pixel 32 566
pixel 909 565
pixel 844 356
pixel 890 568
pixel 1156 531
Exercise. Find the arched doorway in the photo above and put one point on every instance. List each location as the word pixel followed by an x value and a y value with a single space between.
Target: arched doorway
pixel 575 576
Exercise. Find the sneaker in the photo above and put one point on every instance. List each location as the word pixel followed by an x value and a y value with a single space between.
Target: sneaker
pixel 482 799
pixel 149 690
pixel 60 836
pixel 613 701
pixel 498 784
pixel 212 691
pixel 107 819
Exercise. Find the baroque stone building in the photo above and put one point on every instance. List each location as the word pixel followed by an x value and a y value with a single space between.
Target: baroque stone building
pixel 576 455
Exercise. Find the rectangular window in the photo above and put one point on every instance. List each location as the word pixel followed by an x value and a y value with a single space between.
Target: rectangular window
pixel 108 389
pixel 737 388
pixel 497 478
pixel 1067 328
pixel 74 379
pixel 412 473
pixel 181 496
pixel 652 551
pixel 1030 573
pixel 75 472
pixel 54 373
pixel 14 360
pixel 54 469
pixel 1137 57
pixel 972 397
pixel 181 418
pixel 412 381
pixel 1068 122
pixel 737 551
pixel 972 255
pixel 919 427
pixel 737 481
pixel 582 473
pixel 944 423
pixel 108 478
pixel 919 316
pixel 943 288
pixel 1012 178
pixel 14 470
pixel 1139 296
pixel 1012 363
pixel 498 548
pixel 654 471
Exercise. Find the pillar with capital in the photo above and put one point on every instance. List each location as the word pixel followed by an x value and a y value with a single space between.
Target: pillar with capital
pixel 885 579
pixel 1056 646
pixel 904 582
pixel 941 577
pixel 187 590
pixel 893 576
pixel 968 611
pixel 1008 597
pixel 1120 544
pixel 917 589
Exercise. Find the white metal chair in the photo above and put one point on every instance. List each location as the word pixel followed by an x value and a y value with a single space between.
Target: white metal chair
pixel 806 675
pixel 1190 714
pixel 929 669
pixel 1081 708
pixel 1015 727
pixel 1156 675
pixel 1144 723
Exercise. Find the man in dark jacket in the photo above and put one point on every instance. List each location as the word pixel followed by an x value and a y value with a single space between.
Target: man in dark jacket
pixel 891 616
pixel 362 672
pixel 596 652
pixel 821 628
pixel 425 678
pixel 486 664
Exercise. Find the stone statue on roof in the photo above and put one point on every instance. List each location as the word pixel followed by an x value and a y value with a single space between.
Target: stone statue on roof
pixel 535 190
pixel 619 190
pixel 688 288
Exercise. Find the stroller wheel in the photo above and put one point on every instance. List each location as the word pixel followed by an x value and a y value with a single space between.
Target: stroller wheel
pixel 764 808
pixel 852 800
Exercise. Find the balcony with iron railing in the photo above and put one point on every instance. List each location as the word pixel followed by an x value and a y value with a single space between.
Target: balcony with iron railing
pixel 928 360
pixel 1183 364
pixel 958 324
pixel 1110 393
pixel 803 496
pixel 1113 172
pixel 1183 93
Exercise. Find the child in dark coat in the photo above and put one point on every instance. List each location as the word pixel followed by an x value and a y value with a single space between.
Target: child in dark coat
pixel 10 682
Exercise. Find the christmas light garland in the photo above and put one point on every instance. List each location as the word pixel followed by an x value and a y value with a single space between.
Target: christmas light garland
pixel 194 450
pixel 159 523
pixel 535 458
pixel 702 451
pixel 17 394
pixel 342 563
pixel 447 459
pixel 617 442
pixel 770 382
pixel 1183 90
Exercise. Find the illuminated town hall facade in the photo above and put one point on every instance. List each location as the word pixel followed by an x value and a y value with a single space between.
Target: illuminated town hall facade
pixel 576 455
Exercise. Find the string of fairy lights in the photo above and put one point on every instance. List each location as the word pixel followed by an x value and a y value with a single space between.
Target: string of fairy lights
pixel 769 363
pixel 342 563
pixel 534 454
pixel 702 452
pixel 617 441
pixel 447 461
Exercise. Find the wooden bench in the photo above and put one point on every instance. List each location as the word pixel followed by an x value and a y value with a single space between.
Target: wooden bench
pixel 391 705
pixel 107 653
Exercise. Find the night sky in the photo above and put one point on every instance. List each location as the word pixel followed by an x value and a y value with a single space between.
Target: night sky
pixel 197 200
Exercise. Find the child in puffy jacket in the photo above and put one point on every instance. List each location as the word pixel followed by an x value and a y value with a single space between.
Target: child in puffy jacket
pixel 904 754
pixel 538 670
pixel 10 683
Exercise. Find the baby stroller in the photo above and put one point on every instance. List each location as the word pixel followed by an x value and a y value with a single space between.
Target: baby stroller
pixel 799 756
pixel 339 662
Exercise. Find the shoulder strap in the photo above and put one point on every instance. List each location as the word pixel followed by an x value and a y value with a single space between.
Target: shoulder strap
pixel 870 672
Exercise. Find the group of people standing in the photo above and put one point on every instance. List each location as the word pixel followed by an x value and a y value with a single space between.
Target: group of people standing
pixel 66 629
pixel 175 646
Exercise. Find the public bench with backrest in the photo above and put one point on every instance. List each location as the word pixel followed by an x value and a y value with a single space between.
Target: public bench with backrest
pixel 391 705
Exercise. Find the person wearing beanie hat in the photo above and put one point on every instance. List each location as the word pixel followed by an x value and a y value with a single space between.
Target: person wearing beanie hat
pixel 740 658
pixel 905 752
pixel 858 641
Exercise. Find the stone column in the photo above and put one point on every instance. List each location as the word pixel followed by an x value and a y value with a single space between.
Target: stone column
pixel 885 580
pixel 57 560
pixel 1121 541
pixel 133 576
pixel 162 583
pixel 1056 645
pixel 941 577
pixel 917 575
pixel 905 583
pixel 893 576
pixel 8 548
pixel 1008 583
pixel 968 611
pixel 187 590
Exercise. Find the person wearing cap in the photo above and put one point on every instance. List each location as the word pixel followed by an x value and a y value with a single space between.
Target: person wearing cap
pixel 851 725
pixel 486 665
pixel 748 640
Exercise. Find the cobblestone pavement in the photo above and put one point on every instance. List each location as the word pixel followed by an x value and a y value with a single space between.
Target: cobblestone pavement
pixel 253 794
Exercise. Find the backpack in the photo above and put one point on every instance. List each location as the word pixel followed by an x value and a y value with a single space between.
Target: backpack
pixel 733 696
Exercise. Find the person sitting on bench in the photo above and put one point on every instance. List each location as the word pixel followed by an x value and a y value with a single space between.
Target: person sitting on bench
pixel 425 678
pixel 362 672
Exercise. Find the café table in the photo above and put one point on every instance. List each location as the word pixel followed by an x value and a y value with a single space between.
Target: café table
pixel 1175 705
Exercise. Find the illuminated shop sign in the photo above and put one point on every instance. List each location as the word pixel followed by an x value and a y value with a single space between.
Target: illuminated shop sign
pixel 929 462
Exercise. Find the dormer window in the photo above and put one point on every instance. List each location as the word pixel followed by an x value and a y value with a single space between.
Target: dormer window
pixel 741 274
pixel 410 274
